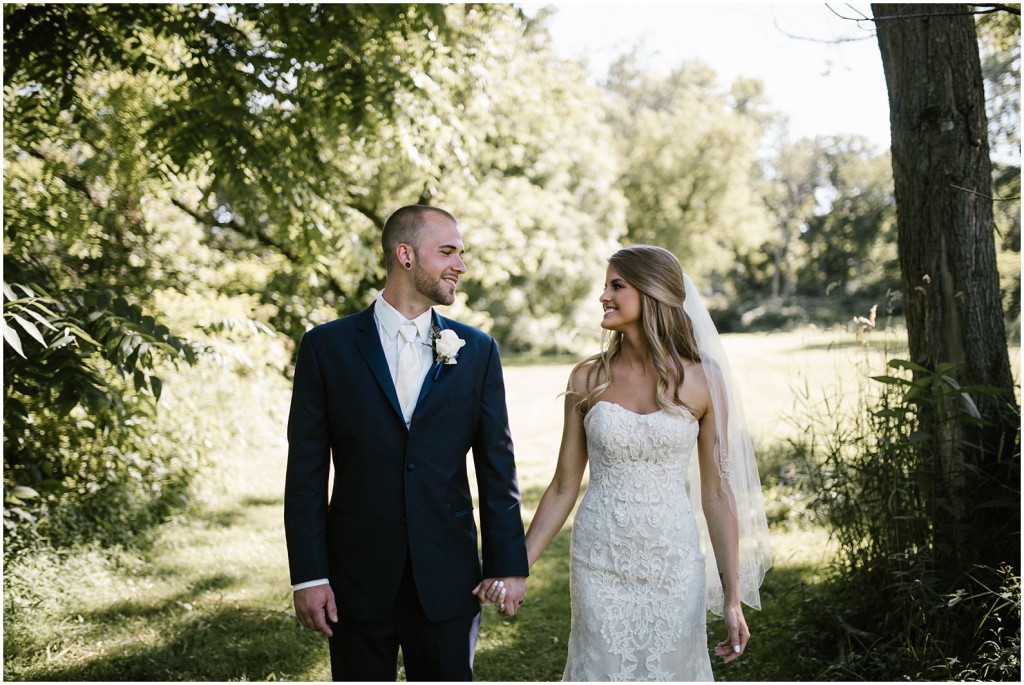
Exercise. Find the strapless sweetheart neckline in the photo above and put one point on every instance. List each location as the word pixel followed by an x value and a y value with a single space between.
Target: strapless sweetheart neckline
pixel 686 411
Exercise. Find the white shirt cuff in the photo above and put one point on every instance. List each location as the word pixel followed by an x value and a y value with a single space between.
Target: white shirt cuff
pixel 309 583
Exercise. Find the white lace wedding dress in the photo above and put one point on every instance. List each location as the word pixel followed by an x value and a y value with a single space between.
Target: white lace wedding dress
pixel 637 572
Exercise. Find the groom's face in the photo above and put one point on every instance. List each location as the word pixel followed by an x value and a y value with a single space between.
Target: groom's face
pixel 439 260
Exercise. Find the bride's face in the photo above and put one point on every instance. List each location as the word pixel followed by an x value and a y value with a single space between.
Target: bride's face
pixel 621 302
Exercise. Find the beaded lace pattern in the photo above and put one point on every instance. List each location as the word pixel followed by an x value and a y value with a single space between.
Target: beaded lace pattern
pixel 637 570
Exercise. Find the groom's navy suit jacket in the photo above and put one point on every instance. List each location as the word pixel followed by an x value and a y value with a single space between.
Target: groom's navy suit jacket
pixel 399 491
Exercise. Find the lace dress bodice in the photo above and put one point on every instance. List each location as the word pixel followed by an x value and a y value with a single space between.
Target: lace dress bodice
pixel 637 571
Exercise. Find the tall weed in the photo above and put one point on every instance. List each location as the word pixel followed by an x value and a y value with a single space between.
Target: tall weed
pixel 907 604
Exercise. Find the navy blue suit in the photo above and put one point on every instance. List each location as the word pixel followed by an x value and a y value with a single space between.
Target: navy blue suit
pixel 401 497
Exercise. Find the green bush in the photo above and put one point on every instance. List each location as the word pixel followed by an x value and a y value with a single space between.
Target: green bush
pixel 910 602
pixel 81 458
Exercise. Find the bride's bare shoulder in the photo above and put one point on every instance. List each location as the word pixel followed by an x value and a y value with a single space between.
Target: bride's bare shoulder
pixel 695 392
pixel 586 376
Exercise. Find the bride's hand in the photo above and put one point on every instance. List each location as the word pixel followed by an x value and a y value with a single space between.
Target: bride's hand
pixel 733 646
pixel 491 590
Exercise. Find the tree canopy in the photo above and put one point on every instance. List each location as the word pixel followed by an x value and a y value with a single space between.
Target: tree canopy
pixel 177 172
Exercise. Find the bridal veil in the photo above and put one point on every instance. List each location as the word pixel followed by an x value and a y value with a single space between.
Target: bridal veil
pixel 734 454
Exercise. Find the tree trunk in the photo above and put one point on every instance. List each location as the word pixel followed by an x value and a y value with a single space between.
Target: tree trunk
pixel 942 175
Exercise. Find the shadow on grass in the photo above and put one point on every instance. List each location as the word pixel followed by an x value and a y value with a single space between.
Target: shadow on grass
pixel 263 501
pixel 786 642
pixel 889 344
pixel 131 608
pixel 531 646
pixel 226 643
pixel 218 518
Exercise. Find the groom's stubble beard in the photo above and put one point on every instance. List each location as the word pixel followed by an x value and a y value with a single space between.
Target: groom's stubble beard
pixel 430 288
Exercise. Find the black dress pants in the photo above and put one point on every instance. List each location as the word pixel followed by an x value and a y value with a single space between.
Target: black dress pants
pixel 431 650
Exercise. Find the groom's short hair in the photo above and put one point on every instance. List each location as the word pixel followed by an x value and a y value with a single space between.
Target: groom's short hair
pixel 403 226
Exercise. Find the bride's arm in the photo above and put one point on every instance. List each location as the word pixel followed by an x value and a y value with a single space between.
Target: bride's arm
pixel 560 496
pixel 723 529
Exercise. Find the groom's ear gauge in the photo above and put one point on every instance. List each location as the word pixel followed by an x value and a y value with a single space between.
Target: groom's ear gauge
pixel 402 252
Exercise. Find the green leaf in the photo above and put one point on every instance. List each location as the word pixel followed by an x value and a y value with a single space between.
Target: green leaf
pixel 157 385
pixel 969 406
pixel 12 338
pixel 21 513
pixel 891 413
pixel 40 318
pixel 62 341
pixel 983 389
pixel 31 329
pixel 999 504
pixel 128 345
pixel 891 380
pixel 907 364
pixel 24 492
pixel 81 334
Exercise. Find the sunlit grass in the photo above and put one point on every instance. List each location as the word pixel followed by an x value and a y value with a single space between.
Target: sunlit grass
pixel 209 599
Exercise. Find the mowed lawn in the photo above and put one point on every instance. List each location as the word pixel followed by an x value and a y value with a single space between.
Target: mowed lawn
pixel 210 600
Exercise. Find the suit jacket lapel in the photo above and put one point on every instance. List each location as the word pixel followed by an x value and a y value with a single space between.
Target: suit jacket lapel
pixel 368 342
pixel 428 382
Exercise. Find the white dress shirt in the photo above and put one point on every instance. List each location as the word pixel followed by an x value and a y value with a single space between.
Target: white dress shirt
pixel 389 320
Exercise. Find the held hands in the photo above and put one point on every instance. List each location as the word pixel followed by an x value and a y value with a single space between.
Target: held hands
pixel 733 646
pixel 312 603
pixel 505 593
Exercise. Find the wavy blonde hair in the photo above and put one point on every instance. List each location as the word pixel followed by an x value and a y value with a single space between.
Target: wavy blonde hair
pixel 657 275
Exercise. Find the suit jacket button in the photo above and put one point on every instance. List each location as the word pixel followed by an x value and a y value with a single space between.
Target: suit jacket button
pixel 410 467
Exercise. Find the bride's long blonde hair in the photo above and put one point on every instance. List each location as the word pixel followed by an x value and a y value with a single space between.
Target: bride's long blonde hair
pixel 657 275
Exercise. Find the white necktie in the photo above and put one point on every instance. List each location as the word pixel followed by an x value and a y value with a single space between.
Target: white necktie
pixel 406 373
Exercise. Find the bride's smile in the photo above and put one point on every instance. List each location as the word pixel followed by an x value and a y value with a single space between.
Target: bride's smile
pixel 620 301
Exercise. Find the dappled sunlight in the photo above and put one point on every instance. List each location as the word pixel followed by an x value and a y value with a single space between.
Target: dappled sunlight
pixel 163 257
pixel 215 578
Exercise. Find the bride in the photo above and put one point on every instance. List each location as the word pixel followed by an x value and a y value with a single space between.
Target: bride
pixel 642 575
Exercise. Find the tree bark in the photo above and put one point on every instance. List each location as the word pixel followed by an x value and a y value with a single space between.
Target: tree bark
pixel 942 175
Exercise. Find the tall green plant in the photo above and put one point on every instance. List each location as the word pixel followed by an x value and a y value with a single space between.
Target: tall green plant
pixel 80 385
pixel 888 501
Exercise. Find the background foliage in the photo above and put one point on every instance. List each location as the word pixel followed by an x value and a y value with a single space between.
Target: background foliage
pixel 189 188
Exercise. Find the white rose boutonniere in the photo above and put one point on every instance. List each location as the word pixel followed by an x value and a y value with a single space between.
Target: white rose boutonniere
pixel 446 347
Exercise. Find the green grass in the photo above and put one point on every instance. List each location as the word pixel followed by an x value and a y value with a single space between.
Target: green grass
pixel 208 598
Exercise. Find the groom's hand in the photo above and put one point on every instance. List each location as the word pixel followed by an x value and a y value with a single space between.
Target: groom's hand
pixel 515 592
pixel 310 605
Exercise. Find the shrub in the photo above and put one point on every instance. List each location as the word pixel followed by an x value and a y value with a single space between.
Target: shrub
pixel 910 604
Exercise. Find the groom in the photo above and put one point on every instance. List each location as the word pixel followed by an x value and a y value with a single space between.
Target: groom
pixel 396 396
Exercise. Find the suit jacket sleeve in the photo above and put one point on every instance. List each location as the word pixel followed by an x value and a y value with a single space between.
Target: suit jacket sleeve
pixel 306 481
pixel 501 522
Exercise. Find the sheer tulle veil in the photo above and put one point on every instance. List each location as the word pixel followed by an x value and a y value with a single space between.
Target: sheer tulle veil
pixel 734 454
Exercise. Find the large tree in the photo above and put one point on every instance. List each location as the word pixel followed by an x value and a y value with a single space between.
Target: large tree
pixel 850 238
pixel 117 118
pixel 943 185
pixel 205 153
pixel 689 150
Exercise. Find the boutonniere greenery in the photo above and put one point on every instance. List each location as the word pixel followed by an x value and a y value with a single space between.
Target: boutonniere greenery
pixel 446 345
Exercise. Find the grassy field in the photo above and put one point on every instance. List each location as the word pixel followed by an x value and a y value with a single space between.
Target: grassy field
pixel 209 599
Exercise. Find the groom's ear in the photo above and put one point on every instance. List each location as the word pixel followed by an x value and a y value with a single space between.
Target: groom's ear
pixel 404 255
